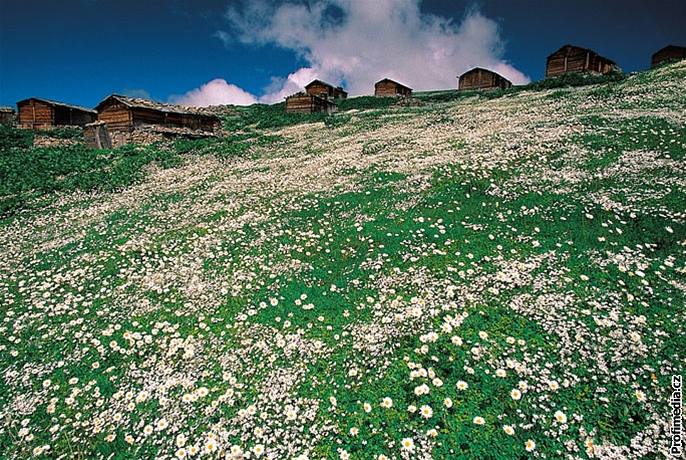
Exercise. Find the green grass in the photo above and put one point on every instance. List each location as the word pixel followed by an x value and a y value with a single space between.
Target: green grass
pixel 491 248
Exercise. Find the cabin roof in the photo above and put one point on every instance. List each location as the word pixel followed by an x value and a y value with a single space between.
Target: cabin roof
pixel 56 104
pixel 582 49
pixel 140 103
pixel 319 82
pixel 392 81
pixel 476 69
pixel 670 47
pixel 323 83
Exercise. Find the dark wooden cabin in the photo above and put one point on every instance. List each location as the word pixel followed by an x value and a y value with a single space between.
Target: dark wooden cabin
pixel 390 88
pixel 308 103
pixel 7 116
pixel 123 113
pixel 37 113
pixel 572 58
pixel 478 78
pixel 324 90
pixel 668 54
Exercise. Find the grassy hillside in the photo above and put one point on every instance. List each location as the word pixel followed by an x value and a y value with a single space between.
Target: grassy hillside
pixel 490 276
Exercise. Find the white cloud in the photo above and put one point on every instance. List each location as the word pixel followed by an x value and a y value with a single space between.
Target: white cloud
pixel 358 42
pixel 215 92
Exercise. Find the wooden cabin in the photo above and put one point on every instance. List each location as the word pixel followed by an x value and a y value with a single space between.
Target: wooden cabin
pixel 324 90
pixel 668 54
pixel 391 88
pixel 572 58
pixel 479 78
pixel 7 116
pixel 308 103
pixel 37 113
pixel 123 113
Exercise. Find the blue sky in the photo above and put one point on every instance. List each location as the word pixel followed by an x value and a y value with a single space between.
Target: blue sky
pixel 82 50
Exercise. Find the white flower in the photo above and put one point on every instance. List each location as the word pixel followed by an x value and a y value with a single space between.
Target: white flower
pixel 516 394
pixel 530 445
pixel 291 413
pixel 508 430
pixel 422 389
pixel 387 402
pixel 367 407
pixel 461 385
pixel 408 444
pixel 640 396
pixel 560 417
pixel 258 450
pixel 162 424
pixel 478 420
pixel 447 402
pixel 354 431
pixel 426 411
pixel 210 446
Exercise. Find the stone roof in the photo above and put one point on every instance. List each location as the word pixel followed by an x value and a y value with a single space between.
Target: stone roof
pixel 137 102
pixel 56 103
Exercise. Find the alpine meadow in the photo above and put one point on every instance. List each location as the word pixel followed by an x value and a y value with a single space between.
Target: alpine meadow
pixel 460 275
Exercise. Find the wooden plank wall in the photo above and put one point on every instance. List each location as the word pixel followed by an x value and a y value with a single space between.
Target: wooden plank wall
pixel 389 89
pixel 35 115
pixel 320 90
pixel 117 116
pixel 576 60
pixel 482 79
pixel 668 54
pixel 305 103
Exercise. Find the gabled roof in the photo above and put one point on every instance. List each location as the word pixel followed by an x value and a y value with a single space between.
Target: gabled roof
pixel 140 103
pixel 56 104
pixel 671 47
pixel 568 46
pixel 319 82
pixel 481 69
pixel 392 81
pixel 323 83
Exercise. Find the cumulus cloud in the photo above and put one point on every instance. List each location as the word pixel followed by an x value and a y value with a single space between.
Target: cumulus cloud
pixel 356 43
pixel 215 92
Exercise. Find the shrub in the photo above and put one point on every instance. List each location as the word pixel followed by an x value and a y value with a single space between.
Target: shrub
pixel 66 132
pixel 11 137
pixel 573 79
